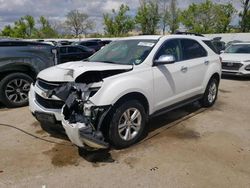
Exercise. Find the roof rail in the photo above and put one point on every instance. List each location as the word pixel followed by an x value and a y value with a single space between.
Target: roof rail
pixel 188 33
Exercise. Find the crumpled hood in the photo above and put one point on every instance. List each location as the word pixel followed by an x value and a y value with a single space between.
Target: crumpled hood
pixel 68 72
pixel 235 57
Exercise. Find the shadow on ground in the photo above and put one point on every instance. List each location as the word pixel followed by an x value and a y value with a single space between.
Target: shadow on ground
pixel 156 123
pixel 237 78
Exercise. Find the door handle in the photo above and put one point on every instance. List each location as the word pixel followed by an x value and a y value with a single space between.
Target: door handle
pixel 206 62
pixel 184 69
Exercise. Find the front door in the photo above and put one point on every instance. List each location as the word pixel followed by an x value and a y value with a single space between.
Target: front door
pixel 170 80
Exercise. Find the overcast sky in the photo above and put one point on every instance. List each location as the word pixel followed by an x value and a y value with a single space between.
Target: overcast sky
pixel 11 10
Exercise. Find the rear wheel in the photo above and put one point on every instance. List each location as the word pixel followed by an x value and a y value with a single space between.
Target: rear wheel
pixel 14 89
pixel 210 94
pixel 127 124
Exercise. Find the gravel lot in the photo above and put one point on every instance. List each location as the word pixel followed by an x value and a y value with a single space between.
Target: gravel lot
pixel 189 147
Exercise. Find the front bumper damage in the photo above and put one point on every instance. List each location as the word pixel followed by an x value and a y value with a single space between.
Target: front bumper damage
pixel 82 120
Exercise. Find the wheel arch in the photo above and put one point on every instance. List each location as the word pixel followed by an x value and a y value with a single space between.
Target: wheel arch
pixel 216 76
pixel 134 96
pixel 26 69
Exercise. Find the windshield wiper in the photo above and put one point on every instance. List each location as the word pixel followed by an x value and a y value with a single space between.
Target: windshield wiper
pixel 112 62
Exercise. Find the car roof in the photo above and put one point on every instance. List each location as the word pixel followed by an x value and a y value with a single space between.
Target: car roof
pixel 237 43
pixel 74 46
pixel 157 37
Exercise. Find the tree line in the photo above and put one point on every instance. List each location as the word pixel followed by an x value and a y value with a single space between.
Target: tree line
pixel 152 17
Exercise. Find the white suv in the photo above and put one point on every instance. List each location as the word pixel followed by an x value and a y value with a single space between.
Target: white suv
pixel 236 59
pixel 108 98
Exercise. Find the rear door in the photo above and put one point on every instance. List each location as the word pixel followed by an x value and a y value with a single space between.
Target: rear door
pixel 195 59
pixel 63 55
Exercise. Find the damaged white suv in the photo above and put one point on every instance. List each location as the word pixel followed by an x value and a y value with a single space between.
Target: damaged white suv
pixel 108 98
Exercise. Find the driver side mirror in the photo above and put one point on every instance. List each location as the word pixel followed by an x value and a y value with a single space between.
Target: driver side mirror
pixel 165 59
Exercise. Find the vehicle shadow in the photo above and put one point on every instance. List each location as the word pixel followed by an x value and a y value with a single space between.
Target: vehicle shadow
pixel 154 124
pixel 55 130
pixel 2 106
pixel 237 78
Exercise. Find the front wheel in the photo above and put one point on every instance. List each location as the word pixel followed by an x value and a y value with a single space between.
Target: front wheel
pixel 211 93
pixel 14 89
pixel 127 124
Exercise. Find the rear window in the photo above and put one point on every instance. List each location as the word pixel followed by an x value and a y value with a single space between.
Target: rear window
pixel 211 46
pixel 192 49
pixel 63 50
pixel 91 43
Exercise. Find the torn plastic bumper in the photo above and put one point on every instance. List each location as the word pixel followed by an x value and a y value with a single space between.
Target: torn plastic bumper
pixel 81 135
pixel 81 119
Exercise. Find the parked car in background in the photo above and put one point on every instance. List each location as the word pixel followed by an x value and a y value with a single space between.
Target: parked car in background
pixel 94 44
pixel 105 42
pixel 218 44
pixel 73 53
pixel 236 59
pixel 231 42
pixel 20 62
pixel 64 43
pixel 109 98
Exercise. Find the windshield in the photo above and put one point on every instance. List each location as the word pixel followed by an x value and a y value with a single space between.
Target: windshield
pixel 126 52
pixel 238 48
pixel 75 43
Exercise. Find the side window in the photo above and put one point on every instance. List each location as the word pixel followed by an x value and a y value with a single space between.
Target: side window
pixel 72 50
pixel 91 43
pixel 170 47
pixel 80 50
pixel 63 50
pixel 192 49
pixel 83 43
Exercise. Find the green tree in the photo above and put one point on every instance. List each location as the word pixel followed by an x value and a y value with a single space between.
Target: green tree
pixel 30 24
pixel 224 14
pixel 245 16
pixel 118 23
pixel 78 23
pixel 207 17
pixel 20 29
pixel 173 16
pixel 199 18
pixel 148 17
pixel 7 31
pixel 46 31
pixel 163 11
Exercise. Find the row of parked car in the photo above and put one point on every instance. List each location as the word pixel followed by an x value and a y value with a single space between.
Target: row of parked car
pixel 21 61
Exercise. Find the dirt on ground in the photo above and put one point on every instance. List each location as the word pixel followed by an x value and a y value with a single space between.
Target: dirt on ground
pixel 188 147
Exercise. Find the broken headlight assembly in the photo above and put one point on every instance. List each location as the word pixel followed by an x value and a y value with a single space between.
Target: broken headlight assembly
pixel 81 118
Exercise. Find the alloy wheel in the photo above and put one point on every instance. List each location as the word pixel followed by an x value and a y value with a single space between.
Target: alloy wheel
pixel 129 124
pixel 17 90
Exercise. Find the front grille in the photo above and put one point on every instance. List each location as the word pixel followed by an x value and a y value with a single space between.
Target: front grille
pixel 48 103
pixel 47 85
pixel 231 65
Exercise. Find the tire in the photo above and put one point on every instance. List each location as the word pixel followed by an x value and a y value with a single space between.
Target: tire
pixel 211 93
pixel 14 89
pixel 122 116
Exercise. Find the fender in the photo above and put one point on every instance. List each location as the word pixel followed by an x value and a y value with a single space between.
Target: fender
pixel 22 67
pixel 114 88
